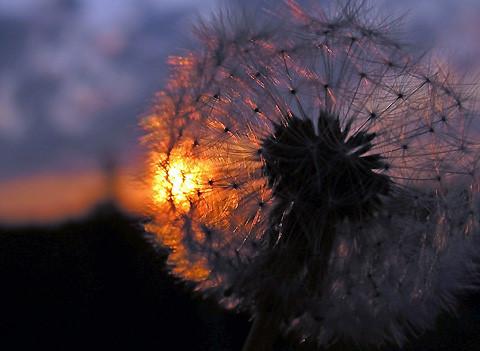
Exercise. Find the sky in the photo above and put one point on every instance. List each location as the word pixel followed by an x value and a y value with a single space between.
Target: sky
pixel 77 75
pixel 75 80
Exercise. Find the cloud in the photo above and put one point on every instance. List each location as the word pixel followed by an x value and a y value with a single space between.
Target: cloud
pixel 11 128
pixel 79 76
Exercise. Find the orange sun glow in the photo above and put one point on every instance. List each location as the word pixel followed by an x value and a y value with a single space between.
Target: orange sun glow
pixel 176 182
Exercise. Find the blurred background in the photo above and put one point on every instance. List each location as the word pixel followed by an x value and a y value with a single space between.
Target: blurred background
pixel 75 78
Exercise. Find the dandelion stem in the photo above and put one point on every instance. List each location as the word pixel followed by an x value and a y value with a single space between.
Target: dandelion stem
pixel 263 333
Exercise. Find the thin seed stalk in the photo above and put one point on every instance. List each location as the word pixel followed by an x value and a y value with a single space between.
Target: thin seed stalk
pixel 263 333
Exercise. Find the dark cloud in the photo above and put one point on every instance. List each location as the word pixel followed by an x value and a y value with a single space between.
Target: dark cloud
pixel 13 41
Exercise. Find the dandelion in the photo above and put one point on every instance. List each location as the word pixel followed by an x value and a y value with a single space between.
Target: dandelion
pixel 306 168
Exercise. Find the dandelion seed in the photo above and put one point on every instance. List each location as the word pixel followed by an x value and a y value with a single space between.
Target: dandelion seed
pixel 310 171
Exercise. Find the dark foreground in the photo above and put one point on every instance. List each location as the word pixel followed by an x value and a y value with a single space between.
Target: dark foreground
pixel 97 283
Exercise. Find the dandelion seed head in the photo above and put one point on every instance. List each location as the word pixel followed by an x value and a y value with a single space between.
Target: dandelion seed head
pixel 325 168
pixel 310 165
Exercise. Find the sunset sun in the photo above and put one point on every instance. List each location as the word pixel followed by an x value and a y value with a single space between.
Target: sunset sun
pixel 176 181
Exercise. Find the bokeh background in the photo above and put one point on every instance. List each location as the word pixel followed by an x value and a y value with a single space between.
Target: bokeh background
pixel 75 78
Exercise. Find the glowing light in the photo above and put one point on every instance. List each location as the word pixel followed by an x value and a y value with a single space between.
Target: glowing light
pixel 176 182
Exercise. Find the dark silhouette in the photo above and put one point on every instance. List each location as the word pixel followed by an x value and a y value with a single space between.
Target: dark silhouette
pixel 98 283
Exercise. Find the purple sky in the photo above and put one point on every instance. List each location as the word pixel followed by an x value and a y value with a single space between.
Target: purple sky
pixel 75 79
